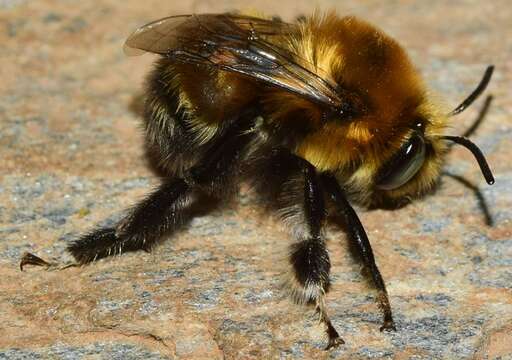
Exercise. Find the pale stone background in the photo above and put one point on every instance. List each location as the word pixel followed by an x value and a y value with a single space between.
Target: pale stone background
pixel 71 155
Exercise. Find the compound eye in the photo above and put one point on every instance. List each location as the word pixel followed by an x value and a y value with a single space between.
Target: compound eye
pixel 403 165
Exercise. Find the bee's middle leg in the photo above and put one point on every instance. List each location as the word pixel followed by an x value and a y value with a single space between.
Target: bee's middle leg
pixel 310 265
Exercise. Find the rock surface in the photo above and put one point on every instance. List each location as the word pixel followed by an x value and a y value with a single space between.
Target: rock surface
pixel 72 156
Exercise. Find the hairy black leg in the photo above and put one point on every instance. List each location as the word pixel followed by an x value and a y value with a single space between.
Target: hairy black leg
pixel 291 184
pixel 359 239
pixel 141 229
pixel 161 211
pixel 295 187
pixel 309 256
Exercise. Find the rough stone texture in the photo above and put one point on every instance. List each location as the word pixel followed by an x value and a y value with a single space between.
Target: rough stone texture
pixel 72 156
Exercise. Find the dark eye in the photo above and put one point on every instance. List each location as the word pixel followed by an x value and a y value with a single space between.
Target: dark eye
pixel 403 165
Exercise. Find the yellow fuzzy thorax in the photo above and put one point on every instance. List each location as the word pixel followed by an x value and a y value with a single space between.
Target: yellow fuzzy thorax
pixel 357 56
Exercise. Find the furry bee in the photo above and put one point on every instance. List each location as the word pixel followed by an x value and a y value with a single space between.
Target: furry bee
pixel 327 109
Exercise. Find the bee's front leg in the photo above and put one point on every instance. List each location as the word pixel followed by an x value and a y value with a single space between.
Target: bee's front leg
pixel 358 237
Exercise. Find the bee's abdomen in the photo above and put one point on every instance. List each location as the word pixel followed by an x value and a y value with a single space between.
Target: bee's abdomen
pixel 170 139
pixel 183 120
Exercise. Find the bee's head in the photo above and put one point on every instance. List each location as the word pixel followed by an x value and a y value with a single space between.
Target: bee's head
pixel 414 167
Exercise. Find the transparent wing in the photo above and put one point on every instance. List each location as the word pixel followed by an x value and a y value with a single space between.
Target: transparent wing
pixel 162 35
pixel 234 43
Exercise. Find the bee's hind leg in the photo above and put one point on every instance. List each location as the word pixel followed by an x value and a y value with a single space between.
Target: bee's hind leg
pixel 160 212
pixel 359 239
pixel 141 229
pixel 167 207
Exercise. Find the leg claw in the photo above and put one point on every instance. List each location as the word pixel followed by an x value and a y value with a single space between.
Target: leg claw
pixel 334 338
pixel 31 259
pixel 388 325
pixel 334 343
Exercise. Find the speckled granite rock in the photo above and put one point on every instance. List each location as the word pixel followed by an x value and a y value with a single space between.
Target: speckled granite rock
pixel 72 156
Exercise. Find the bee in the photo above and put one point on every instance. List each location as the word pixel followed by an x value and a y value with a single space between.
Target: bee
pixel 317 115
